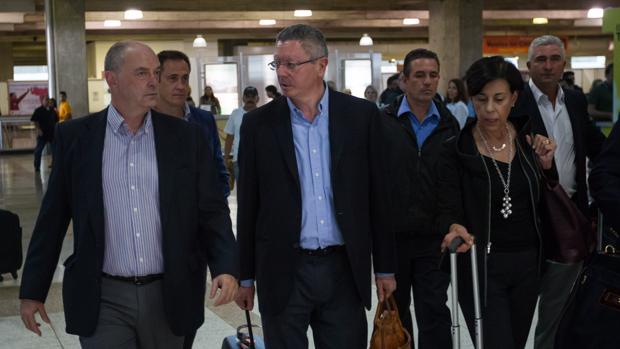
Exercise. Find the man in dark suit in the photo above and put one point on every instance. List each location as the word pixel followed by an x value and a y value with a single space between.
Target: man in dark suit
pixel 605 179
pixel 141 190
pixel 562 115
pixel 173 90
pixel 312 204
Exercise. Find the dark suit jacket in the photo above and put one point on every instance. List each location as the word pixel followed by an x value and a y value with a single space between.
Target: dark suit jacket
pixel 588 139
pixel 605 179
pixel 194 218
pixel 269 197
pixel 206 121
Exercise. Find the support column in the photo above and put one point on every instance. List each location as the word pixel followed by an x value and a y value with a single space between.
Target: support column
pixel 6 61
pixel 455 34
pixel 69 38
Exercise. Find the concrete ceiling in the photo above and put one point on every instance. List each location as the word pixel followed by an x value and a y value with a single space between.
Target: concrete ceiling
pixel 22 21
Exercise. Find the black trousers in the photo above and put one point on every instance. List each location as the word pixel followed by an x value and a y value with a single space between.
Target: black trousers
pixel 512 292
pixel 325 298
pixel 38 151
pixel 418 271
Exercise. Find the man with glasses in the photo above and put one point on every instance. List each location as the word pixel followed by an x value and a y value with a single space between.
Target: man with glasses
pixel 312 204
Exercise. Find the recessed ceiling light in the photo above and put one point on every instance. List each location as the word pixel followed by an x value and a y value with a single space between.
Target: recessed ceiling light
pixel 302 13
pixel 540 20
pixel 267 22
pixel 595 12
pixel 411 21
pixel 133 14
pixel 111 23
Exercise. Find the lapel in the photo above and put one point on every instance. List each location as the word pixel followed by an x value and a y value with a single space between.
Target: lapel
pixel 337 129
pixel 531 109
pixel 572 110
pixel 91 146
pixel 167 150
pixel 284 134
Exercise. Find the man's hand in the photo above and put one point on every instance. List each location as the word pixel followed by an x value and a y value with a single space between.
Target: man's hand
pixel 245 298
pixel 28 308
pixel 385 286
pixel 228 286
pixel 460 231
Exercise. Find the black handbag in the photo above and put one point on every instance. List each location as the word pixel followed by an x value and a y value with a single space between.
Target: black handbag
pixel 591 316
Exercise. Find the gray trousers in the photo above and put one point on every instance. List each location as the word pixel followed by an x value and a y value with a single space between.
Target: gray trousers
pixel 131 317
pixel 555 287
pixel 325 298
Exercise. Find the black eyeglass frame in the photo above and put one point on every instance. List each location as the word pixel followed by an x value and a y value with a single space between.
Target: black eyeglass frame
pixel 274 65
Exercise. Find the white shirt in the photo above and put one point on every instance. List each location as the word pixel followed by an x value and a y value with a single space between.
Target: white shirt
pixel 557 123
pixel 460 112
pixel 233 128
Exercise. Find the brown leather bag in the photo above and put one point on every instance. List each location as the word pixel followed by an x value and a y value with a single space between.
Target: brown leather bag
pixel 389 332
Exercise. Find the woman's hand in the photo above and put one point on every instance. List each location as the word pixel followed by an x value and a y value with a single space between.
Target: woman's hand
pixel 457 230
pixel 544 148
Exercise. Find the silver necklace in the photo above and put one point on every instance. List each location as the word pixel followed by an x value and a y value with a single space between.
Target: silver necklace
pixel 498 149
pixel 506 210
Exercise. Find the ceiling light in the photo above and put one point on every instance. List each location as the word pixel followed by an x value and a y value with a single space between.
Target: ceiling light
pixel 133 14
pixel 267 22
pixel 411 21
pixel 595 12
pixel 199 42
pixel 540 20
pixel 365 40
pixel 111 23
pixel 302 13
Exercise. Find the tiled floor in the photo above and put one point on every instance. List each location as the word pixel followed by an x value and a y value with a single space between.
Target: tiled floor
pixel 21 191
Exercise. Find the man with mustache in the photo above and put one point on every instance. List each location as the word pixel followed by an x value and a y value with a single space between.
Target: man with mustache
pixel 141 190
pixel 312 204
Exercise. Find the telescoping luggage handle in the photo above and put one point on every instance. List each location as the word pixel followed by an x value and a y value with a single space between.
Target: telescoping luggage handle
pixel 456 330
pixel 241 336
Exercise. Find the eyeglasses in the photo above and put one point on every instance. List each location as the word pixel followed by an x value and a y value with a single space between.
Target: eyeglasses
pixel 290 65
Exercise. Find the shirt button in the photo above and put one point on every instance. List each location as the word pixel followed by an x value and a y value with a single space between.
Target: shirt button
pixel 314 151
pixel 316 174
pixel 131 164
pixel 320 197
pixel 135 209
pixel 322 221
pixel 141 260
pixel 138 235
pixel 133 187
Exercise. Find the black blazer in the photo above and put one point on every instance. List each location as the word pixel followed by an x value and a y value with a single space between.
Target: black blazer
pixel 195 222
pixel 605 179
pixel 269 196
pixel 588 139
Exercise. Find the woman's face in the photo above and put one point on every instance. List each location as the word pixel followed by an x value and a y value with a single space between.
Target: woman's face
pixel 453 91
pixel 208 91
pixel 493 105
pixel 370 94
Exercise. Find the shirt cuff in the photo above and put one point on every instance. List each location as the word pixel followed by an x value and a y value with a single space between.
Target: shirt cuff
pixel 384 275
pixel 247 283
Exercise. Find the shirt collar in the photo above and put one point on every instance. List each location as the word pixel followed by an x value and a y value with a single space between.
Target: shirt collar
pixel 118 124
pixel 323 106
pixel 538 94
pixel 404 109
pixel 187 112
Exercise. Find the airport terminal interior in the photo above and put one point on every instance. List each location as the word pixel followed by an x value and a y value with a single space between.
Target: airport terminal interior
pixel 48 46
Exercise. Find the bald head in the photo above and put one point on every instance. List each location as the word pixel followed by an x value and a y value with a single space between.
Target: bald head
pixel 115 57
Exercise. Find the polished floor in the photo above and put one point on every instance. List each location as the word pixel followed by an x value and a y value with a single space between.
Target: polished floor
pixel 21 190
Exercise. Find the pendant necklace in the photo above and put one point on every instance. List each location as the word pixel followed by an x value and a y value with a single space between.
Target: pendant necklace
pixel 506 205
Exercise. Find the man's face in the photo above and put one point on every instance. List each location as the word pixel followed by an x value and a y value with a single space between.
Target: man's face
pixel 302 79
pixel 174 82
pixel 134 85
pixel 546 65
pixel 421 84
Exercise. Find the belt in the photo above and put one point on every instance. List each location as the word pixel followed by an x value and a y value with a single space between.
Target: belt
pixel 322 251
pixel 136 280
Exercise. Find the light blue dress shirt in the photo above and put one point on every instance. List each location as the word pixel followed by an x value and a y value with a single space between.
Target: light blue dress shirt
pixel 424 129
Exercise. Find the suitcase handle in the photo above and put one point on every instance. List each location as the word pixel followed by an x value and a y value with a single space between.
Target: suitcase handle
pixel 456 242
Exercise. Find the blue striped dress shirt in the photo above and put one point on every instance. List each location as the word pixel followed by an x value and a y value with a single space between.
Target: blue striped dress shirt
pixel 133 236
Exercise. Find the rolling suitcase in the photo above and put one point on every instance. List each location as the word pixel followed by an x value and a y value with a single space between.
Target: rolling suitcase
pixel 456 328
pixel 244 340
pixel 10 244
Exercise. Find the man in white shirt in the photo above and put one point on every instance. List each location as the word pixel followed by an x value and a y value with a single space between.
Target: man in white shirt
pixel 233 127
pixel 562 115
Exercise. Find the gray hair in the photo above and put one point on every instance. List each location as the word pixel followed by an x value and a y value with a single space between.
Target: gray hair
pixel 312 40
pixel 115 57
pixel 544 41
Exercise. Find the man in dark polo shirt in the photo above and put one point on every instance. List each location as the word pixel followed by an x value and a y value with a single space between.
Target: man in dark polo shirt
pixel 45 119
